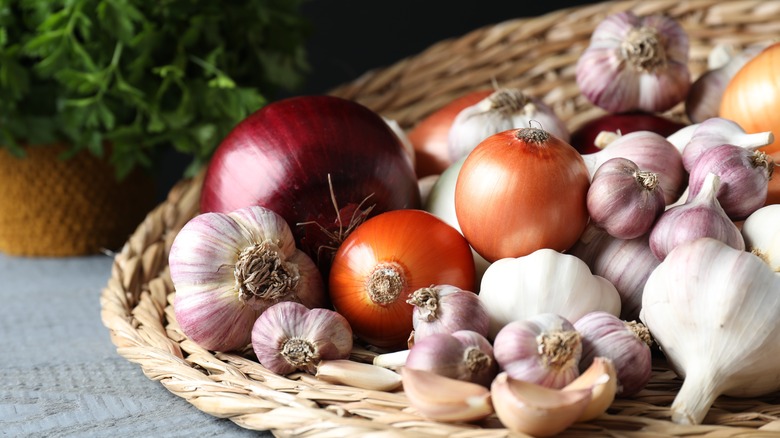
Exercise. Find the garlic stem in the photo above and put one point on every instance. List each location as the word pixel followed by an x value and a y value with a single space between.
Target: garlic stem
pixel 755 140
pixel 696 396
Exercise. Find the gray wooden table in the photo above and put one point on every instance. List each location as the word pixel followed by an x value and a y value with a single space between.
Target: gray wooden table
pixel 60 375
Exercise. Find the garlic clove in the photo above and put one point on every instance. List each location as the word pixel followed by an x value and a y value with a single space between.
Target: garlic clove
pixel 762 235
pixel 358 374
pixel 444 399
pixel 601 378
pixel 525 407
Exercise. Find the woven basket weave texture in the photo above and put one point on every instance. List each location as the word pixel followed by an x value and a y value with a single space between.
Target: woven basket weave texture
pixel 534 54
pixel 50 206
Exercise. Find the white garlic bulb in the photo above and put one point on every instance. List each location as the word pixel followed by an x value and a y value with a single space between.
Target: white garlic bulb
pixel 714 310
pixel 505 108
pixel 635 63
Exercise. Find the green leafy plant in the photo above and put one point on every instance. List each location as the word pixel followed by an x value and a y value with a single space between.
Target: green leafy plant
pixel 137 75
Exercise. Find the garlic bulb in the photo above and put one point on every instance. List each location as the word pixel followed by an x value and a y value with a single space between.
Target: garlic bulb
pixel 227 268
pixel 544 349
pixel 289 337
pixel 635 63
pixel 446 309
pixel 545 281
pixel 762 235
pixel 625 343
pixel 623 199
pixel 626 263
pixel 744 178
pixel 505 108
pixel 700 216
pixel 714 310
pixel 717 131
pixel 463 355
pixel 651 152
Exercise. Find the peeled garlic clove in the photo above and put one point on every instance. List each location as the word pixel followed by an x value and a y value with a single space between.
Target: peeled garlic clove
pixel 623 199
pixel 289 337
pixel 525 407
pixel 701 216
pixel 762 235
pixel 358 375
pixel 714 310
pixel 444 399
pixel 601 378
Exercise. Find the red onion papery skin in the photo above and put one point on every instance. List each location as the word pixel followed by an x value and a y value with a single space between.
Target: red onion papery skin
pixel 583 138
pixel 281 157
pixel 744 178
pixel 625 263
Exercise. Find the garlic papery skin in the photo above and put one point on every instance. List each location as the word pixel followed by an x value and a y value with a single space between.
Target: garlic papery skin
pixel 445 399
pixel 447 309
pixel 530 409
pixel 635 63
pixel 545 281
pixel 700 216
pixel 625 343
pixel 289 337
pixel 717 131
pixel 544 349
pixel 762 234
pixel 623 199
pixel 651 152
pixel 713 310
pixel 706 92
pixel 463 355
pixel 227 268
pixel 744 178
pixel 505 108
pixel 626 263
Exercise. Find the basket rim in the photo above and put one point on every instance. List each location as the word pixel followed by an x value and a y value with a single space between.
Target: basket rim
pixel 136 305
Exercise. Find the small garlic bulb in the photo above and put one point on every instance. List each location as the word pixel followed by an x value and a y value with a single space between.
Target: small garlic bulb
pixel 700 216
pixel 544 349
pixel 447 309
pixel 463 355
pixel 227 268
pixel 716 131
pixel 504 109
pixel 289 337
pixel 635 63
pixel 713 310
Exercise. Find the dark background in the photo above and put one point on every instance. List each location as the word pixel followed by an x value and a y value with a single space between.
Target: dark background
pixel 350 37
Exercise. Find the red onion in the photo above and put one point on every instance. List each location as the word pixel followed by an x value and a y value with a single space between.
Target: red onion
pixel 744 178
pixel 584 138
pixel 323 163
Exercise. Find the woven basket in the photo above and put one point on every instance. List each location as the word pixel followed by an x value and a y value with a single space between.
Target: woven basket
pixel 537 55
